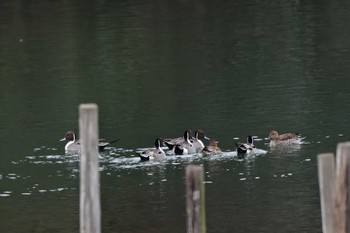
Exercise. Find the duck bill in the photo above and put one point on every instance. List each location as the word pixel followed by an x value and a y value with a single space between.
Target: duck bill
pixel 63 139
pixel 206 138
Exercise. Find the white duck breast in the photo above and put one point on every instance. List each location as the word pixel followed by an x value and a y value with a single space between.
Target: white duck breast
pixel 156 153
pixel 73 145
pixel 186 147
pixel 196 141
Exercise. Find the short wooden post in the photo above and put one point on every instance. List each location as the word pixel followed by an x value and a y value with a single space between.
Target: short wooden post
pixel 90 207
pixel 342 189
pixel 326 178
pixel 195 199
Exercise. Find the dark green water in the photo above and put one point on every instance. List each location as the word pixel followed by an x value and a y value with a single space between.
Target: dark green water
pixel 155 69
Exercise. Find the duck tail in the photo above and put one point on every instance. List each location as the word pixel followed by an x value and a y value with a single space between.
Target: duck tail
pixel 178 150
pixel 143 158
pixel 169 145
pixel 241 150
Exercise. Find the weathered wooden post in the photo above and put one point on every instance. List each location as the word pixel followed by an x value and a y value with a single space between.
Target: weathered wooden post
pixel 195 199
pixel 342 189
pixel 90 207
pixel 326 178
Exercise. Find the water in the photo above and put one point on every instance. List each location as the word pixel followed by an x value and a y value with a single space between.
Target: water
pixel 156 69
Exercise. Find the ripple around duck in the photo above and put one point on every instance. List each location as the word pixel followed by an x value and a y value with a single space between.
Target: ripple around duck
pixel 111 161
pixel 124 158
pixel 134 162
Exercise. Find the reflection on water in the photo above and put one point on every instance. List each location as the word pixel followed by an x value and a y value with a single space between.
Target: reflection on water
pixel 260 187
pixel 154 187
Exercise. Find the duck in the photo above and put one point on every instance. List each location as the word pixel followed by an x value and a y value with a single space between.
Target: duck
pixel 186 147
pixel 284 139
pixel 212 148
pixel 196 141
pixel 246 148
pixel 156 154
pixel 73 144
pixel 171 142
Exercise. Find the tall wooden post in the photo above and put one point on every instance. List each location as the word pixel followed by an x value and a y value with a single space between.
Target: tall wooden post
pixel 195 199
pixel 342 189
pixel 90 207
pixel 326 178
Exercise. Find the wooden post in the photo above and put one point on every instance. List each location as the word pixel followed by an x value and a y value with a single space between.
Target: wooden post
pixel 90 207
pixel 342 189
pixel 326 178
pixel 195 199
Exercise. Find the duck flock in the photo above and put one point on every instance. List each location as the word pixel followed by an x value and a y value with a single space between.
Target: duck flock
pixel 190 144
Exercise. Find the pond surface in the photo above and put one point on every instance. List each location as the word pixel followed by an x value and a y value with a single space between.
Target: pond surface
pixel 155 69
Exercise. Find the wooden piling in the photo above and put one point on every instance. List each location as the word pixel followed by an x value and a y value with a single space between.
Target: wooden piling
pixel 195 196
pixel 90 207
pixel 342 192
pixel 326 177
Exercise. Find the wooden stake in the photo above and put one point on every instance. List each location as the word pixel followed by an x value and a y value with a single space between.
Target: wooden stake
pixel 90 207
pixel 326 178
pixel 195 199
pixel 342 199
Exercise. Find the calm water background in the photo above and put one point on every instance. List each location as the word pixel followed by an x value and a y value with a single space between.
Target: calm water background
pixel 232 68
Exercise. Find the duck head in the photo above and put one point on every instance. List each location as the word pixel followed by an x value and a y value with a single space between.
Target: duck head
pixel 273 135
pixel 70 136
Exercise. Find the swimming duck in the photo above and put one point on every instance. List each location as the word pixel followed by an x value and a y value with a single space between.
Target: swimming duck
pixel 212 149
pixel 246 148
pixel 156 153
pixel 170 143
pixel 186 147
pixel 284 139
pixel 73 145
pixel 196 141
